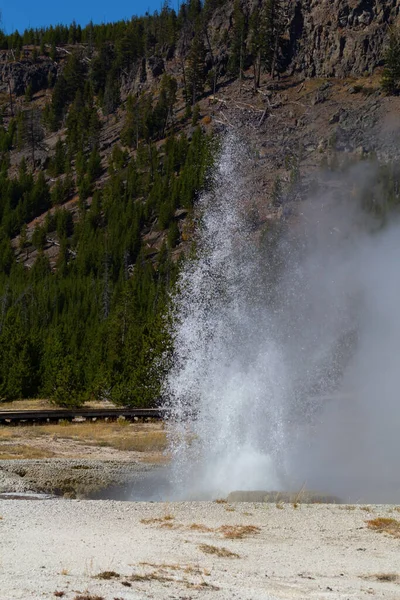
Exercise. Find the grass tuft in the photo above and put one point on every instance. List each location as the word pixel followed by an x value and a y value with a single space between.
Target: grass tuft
pixel 153 576
pixel 88 597
pixel 386 577
pixel 238 532
pixel 218 551
pixel 157 520
pixel 107 575
pixel 200 527
pixel 59 594
pixel 385 525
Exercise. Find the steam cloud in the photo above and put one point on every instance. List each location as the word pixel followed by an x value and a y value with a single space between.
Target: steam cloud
pixel 287 355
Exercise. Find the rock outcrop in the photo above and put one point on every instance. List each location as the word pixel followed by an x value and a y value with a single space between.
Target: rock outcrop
pixel 20 74
pixel 324 38
pixel 338 38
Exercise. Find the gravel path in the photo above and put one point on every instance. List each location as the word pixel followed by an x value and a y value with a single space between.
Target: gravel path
pixel 159 551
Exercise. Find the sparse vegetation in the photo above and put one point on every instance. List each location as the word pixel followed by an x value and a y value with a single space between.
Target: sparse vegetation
pixel 88 597
pixel 238 532
pixel 386 577
pixel 131 437
pixel 158 520
pixel 383 577
pixel 200 527
pixel 219 551
pixel 107 575
pixel 385 525
pixel 14 451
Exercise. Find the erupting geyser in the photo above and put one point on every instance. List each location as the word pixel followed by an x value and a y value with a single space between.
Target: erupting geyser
pixel 286 358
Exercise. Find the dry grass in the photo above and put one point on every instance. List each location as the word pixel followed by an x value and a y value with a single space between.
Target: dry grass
pixel 158 520
pixel 42 404
pixel 203 585
pixel 386 577
pixel 30 404
pixel 119 435
pixel 88 597
pixel 385 525
pixel 238 532
pixel 64 572
pixel 16 451
pixel 383 577
pixel 200 527
pixel 218 551
pixel 193 570
pixel 107 575
pixel 169 525
pixel 220 501
pixel 153 576
pixel 162 574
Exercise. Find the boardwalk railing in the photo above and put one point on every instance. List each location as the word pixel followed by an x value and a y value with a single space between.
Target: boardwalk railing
pixel 9 417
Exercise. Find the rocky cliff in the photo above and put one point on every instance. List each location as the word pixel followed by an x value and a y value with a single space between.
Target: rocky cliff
pixel 16 76
pixel 325 38
pixel 338 38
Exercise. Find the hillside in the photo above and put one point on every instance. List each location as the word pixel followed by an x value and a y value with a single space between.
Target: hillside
pixel 107 137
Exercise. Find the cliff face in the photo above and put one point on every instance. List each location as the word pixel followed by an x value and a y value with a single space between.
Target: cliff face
pixel 338 38
pixel 16 76
pixel 326 38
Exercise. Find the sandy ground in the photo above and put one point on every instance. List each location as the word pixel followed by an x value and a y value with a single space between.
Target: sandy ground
pixel 155 551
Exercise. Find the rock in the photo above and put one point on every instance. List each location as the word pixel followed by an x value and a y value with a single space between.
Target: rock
pixel 334 118
pixel 156 66
pixel 24 73
pixel 340 38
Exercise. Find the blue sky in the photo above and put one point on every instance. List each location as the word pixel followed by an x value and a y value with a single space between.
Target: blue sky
pixel 20 14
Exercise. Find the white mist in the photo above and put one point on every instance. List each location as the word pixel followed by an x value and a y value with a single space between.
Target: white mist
pixel 290 377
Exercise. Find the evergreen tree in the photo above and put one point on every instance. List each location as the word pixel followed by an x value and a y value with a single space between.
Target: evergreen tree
pixel 391 72
pixel 238 41
pixel 196 73
pixel 272 25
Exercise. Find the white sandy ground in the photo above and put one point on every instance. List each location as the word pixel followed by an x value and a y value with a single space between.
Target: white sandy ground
pixel 313 551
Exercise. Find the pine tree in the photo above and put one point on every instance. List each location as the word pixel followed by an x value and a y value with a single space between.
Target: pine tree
pixel 271 26
pixel 196 66
pixel 391 73
pixel 238 42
